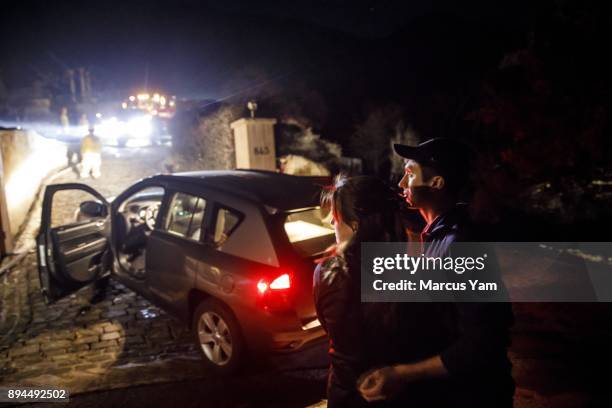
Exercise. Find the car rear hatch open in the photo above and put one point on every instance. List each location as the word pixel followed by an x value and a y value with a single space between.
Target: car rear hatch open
pixel 311 235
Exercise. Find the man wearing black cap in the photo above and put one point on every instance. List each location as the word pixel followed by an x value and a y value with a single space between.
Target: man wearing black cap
pixel 469 365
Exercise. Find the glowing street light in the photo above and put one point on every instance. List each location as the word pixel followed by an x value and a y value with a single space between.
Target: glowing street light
pixel 252 105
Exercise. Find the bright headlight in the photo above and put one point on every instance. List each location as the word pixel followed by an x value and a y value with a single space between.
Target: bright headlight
pixel 140 126
pixel 110 128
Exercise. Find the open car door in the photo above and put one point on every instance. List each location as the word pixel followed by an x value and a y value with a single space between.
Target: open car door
pixel 72 246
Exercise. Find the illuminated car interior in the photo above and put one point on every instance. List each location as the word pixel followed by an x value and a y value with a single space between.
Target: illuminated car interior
pixel 308 231
pixel 135 220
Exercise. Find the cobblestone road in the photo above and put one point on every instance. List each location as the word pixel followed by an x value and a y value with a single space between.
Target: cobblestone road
pixel 73 342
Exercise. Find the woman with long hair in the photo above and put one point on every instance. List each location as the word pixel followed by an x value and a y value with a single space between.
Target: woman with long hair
pixel 364 209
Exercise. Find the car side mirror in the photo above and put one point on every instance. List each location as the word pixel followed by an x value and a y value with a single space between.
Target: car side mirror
pixel 93 209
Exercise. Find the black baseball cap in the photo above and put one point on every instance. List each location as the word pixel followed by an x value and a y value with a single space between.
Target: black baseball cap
pixel 441 153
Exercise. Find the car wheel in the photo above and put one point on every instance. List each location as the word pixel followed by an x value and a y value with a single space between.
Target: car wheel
pixel 218 337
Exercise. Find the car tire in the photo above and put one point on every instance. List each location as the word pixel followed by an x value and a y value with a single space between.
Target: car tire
pixel 218 337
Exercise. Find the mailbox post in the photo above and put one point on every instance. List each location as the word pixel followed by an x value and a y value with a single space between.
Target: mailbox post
pixel 254 140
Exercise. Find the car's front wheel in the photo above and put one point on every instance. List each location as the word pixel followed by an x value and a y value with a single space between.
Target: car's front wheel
pixel 218 337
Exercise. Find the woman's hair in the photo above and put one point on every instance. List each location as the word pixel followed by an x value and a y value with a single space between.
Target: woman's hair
pixel 376 210
pixel 369 203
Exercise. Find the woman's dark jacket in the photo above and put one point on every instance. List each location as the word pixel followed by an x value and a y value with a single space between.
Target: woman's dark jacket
pixel 337 301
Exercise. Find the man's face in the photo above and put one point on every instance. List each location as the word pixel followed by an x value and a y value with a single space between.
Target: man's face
pixel 417 192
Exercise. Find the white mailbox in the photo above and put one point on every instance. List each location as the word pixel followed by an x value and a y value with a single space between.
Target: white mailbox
pixel 254 140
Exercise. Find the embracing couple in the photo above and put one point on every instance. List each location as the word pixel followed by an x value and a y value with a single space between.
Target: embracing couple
pixel 409 354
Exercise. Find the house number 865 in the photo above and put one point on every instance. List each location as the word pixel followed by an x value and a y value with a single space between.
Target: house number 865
pixel 261 150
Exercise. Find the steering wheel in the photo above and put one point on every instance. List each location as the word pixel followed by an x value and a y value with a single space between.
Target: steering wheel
pixel 151 216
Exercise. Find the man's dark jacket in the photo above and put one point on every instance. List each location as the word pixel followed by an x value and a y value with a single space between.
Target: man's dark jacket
pixel 473 336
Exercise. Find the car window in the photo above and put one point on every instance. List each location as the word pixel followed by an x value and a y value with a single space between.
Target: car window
pixel 185 216
pixel 70 206
pixel 226 222
pixel 241 231
pixel 195 227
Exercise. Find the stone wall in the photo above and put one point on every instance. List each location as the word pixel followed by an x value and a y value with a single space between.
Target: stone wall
pixel 26 159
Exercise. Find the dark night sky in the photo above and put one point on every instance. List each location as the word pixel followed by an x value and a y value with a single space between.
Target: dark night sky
pixel 192 47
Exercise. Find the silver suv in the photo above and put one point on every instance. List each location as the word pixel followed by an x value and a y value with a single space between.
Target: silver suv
pixel 230 253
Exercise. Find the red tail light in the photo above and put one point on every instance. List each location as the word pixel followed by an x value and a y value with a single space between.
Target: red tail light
pixel 262 287
pixel 275 295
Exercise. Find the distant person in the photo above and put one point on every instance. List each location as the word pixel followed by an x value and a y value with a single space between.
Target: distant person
pixel 91 153
pixel 73 154
pixel 64 121
pixel 73 146
pixel 364 209
pixel 458 353
pixel 84 122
